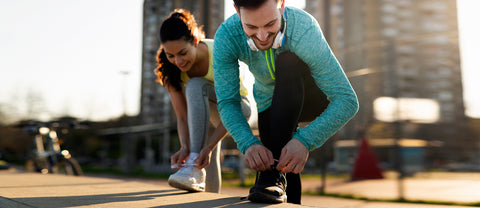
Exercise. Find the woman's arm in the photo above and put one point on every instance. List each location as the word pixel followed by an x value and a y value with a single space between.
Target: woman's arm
pixel 203 159
pixel 179 104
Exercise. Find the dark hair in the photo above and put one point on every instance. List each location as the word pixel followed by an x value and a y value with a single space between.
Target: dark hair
pixel 250 4
pixel 179 24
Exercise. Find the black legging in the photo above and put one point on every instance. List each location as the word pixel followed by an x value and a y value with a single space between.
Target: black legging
pixel 296 98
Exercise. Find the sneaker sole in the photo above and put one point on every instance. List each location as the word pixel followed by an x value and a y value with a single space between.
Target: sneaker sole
pixel 266 198
pixel 188 187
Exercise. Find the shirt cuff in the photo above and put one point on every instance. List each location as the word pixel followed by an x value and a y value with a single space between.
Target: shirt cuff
pixel 245 145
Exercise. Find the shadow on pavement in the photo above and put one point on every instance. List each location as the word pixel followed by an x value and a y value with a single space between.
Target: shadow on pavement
pixel 86 200
pixel 223 202
pixel 60 185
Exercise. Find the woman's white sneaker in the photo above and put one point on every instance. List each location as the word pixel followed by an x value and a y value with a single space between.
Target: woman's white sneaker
pixel 189 177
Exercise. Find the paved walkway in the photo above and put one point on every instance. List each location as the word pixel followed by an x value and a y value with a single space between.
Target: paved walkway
pixel 19 189
pixel 24 190
pixel 438 187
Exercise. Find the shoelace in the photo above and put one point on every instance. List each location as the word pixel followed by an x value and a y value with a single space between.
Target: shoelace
pixel 189 164
pixel 184 165
pixel 274 172
pixel 278 180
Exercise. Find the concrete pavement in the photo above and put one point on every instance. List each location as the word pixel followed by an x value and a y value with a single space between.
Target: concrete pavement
pixel 460 188
pixel 18 189
pixel 53 191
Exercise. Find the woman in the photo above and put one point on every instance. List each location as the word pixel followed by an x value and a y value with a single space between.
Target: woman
pixel 185 69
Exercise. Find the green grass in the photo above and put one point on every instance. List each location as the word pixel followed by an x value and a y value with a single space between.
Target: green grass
pixel 328 176
pixel 233 180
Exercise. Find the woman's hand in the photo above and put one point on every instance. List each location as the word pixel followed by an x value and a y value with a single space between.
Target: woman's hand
pixel 203 159
pixel 177 159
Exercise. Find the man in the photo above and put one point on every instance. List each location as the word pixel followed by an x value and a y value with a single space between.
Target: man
pixel 297 79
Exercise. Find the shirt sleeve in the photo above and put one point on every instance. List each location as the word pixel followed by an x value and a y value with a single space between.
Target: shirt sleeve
pixel 314 50
pixel 227 88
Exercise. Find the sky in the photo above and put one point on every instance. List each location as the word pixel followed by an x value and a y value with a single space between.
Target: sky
pixel 70 54
pixel 469 34
pixel 83 58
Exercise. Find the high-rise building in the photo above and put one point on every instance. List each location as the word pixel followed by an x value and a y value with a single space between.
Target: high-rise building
pixel 400 49
pixel 420 49
pixel 416 40
pixel 155 104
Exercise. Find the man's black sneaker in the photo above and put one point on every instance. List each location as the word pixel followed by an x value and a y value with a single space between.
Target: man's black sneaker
pixel 269 187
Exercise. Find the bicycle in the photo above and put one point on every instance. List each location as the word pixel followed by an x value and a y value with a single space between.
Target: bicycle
pixel 47 155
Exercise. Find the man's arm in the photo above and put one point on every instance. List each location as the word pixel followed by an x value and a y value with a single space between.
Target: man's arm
pixel 310 45
pixel 227 88
pixel 330 78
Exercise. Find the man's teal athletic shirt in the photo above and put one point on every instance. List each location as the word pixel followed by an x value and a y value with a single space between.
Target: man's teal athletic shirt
pixel 305 39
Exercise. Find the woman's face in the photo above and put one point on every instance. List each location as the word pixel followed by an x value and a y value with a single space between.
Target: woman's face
pixel 181 53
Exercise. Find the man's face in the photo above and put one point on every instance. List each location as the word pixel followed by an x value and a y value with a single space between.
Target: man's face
pixel 262 24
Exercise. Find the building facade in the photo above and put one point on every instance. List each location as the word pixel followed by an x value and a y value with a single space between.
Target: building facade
pixel 401 49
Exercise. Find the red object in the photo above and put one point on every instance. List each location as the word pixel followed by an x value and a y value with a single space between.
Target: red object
pixel 366 164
